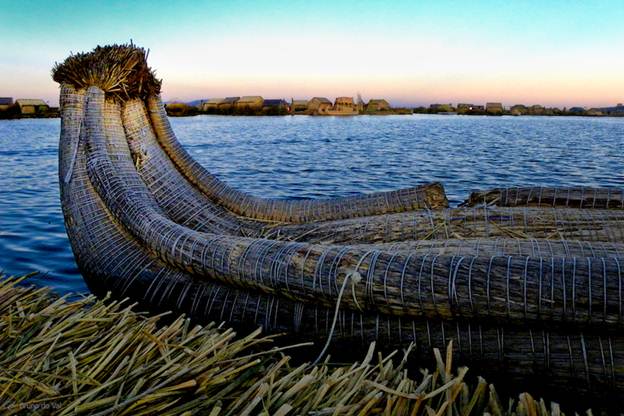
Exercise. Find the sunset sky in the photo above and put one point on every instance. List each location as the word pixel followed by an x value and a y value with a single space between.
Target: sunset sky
pixel 561 53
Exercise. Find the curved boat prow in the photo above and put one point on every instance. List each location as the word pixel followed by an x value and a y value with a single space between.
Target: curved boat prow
pixel 430 196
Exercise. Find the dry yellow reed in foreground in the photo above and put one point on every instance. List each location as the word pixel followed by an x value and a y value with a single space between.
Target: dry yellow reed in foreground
pixel 90 356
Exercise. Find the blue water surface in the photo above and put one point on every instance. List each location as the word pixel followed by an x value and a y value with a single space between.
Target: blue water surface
pixel 311 157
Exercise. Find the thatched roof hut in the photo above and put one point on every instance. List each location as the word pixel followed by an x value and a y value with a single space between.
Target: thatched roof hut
pixel 251 101
pixel 299 106
pixel 5 102
pixel 218 103
pixel 377 104
pixel 494 108
pixel 31 105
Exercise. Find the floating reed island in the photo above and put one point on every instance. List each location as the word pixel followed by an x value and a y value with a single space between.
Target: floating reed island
pixel 90 356
pixel 526 282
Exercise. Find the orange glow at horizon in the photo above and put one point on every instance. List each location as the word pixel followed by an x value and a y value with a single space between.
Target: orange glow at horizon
pixel 412 54
pixel 405 72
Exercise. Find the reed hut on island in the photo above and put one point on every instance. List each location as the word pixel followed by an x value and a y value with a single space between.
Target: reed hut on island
pixel 463 108
pixel 377 104
pixel 31 106
pixel 538 110
pixel 298 106
pixel 275 103
pixel 519 110
pixel 254 102
pixel 5 103
pixel 319 106
pixel 618 110
pixel 219 104
pixel 228 103
pixel 494 108
pixel 211 104
pixel 344 105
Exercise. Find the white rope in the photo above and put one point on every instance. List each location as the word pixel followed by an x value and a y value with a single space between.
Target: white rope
pixel 74 156
pixel 355 278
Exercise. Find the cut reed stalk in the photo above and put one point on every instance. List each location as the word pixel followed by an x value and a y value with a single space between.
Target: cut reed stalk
pixel 101 357
pixel 119 70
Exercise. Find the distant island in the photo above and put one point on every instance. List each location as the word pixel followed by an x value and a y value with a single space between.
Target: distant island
pixel 256 105
pixel 317 106
pixel 497 109
pixel 347 106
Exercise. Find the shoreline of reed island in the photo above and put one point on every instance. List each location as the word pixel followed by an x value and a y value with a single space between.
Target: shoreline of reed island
pixel 185 110
pixel 257 106
pixel 179 109
pixel 498 109
pixel 88 355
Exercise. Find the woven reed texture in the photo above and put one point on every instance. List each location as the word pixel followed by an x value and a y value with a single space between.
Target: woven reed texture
pixel 463 223
pixel 182 202
pixel 578 197
pixel 532 289
pixel 293 211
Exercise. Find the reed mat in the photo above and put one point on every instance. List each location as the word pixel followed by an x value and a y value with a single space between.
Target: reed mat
pixel 65 356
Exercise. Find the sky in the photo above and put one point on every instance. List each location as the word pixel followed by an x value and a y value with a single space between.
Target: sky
pixel 554 53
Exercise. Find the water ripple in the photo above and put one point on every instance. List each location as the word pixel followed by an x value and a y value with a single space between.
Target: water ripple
pixel 312 157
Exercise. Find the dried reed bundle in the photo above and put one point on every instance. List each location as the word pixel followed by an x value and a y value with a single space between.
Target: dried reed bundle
pixel 119 70
pixel 292 211
pixel 579 197
pixel 530 247
pixel 182 202
pixel 462 223
pixel 101 357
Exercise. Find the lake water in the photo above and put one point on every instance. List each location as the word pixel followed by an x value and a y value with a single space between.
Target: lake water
pixel 312 157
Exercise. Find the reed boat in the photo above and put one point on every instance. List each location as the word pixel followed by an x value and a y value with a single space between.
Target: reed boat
pixel 527 282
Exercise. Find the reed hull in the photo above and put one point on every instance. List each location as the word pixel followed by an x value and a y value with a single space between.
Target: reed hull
pixel 147 222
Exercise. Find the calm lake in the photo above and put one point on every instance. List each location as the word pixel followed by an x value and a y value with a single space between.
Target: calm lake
pixel 312 157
